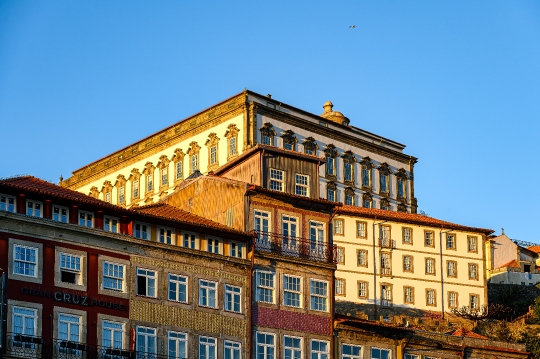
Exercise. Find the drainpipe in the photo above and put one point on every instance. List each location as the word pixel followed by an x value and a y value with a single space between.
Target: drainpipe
pixel 375 269
pixel 250 314
pixel 330 244
pixel 441 232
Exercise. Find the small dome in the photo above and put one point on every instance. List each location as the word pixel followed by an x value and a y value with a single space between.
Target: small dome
pixel 334 116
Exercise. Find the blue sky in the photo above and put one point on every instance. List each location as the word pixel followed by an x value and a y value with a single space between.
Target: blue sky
pixel 458 82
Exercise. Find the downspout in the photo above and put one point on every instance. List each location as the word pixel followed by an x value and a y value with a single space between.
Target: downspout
pixel 375 269
pixel 250 286
pixel 333 282
pixel 442 267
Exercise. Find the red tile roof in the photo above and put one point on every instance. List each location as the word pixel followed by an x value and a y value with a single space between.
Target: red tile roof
pixel 535 249
pixel 462 332
pixel 408 217
pixel 39 186
pixel 169 212
pixel 511 264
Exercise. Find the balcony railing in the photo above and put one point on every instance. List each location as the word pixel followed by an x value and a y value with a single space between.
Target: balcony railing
pixel 387 243
pixel 26 346
pixel 295 247
pixel 386 271
pixel 386 303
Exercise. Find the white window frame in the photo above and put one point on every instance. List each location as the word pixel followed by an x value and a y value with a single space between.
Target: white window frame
pixel 176 338
pixel 24 317
pixel 83 215
pixel 180 281
pixel 319 354
pixel 214 245
pixel 430 266
pixel 64 319
pixel 5 205
pixel 67 268
pixel 292 351
pixel 232 349
pixel 209 345
pixel 194 162
pixel 179 170
pixel 114 328
pixel 338 229
pixel 30 203
pixel 213 155
pixel 233 295
pixel 265 346
pixel 232 146
pixel 364 289
pixel 276 180
pixel 25 262
pixel 59 217
pixel 136 189
pixel 165 235
pixel 295 292
pixel 451 243
pixel 114 278
pixel 149 182
pixel 111 224
pixel 452 299
pixel 340 286
pixel 388 351
pixel 362 233
pixel 407 238
pixel 262 289
pixel 192 240
pixel 164 178
pixel 236 249
pixel 122 194
pixel 151 281
pixel 351 355
pixel 143 232
pixel 430 299
pixel 301 184
pixel 208 287
pixel 318 296
pixel 147 335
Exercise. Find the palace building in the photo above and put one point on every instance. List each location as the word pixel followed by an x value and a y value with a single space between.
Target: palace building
pixel 360 168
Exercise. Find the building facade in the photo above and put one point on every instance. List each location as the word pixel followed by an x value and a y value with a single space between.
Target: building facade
pixel 361 168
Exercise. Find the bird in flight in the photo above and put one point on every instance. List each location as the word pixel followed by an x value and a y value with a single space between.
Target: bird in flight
pixel 352 26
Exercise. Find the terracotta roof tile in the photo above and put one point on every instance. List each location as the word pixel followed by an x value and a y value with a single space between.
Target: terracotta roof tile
pixel 535 249
pixel 408 217
pixel 169 212
pixel 511 264
pixel 462 332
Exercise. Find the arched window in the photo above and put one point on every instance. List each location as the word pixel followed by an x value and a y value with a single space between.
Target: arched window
pixel 367 169
pixel 232 141
pixel 310 146
pixel 213 155
pixel 267 134
pixel 331 154
pixel 193 153
pixel 348 168
pixel 289 140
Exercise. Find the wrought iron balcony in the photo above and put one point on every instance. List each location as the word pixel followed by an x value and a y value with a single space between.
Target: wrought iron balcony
pixel 295 247
pixel 386 303
pixel 26 346
pixel 386 271
pixel 387 243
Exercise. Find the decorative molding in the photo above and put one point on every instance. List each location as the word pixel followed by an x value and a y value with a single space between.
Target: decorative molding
pixel 212 141
pixel 94 192
pixel 289 137
pixel 310 144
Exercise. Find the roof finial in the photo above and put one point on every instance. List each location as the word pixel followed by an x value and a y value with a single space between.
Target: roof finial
pixel 61 178
pixel 502 231
pixel 328 106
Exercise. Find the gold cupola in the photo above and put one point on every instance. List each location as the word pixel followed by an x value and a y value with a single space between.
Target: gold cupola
pixel 334 116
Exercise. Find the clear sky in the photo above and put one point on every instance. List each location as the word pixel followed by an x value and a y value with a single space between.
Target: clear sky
pixel 458 82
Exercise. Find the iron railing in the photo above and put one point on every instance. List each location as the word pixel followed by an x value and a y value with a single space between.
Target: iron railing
pixel 386 271
pixel 295 247
pixel 386 303
pixel 26 346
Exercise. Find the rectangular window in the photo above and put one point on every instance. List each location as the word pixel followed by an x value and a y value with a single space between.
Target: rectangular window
pixel 122 194
pixel 383 182
pixel 164 176
pixel 265 287
pixel 69 329
pixel 149 183
pixel 430 297
pixel 194 163
pixel 146 342
pixel 350 351
pixel 401 188
pixel 113 276
pixel 7 203
pixel 60 214
pixel 452 300
pixel 471 244
pixel 178 288
pixel 386 268
pixel 366 177
pixel 267 140
pixel 368 203
pixel 362 290
pixel 213 245
pixel 408 294
pixel 340 254
pixel 347 169
pixel 475 301
pixel 429 238
pixel 349 200
pixel 330 165
pixel 207 293
pixel 146 282
pixel 451 269
pixel 292 347
pixel 276 180
pixel 233 298
pixel 237 250
pixel 110 224
pixel 70 268
pixel 86 219
pixel 207 348
pixel 25 260
pixel 318 295
pixel 473 271
pixel 112 334
pixel 24 322
pixel 361 229
pixel 301 185
pixel 331 195
pixel 190 241
pixel 179 169
pixel 136 189
pixel 288 146
pixel 407 235
pixel 408 264
pixel 308 151
pixel 213 155
pixel 450 241
pixel 377 353
pixel 177 345
pixel 386 295
pixel 232 146
pixel 140 230
pixel 232 349
pixel 385 232
pixel 362 258
pixel 108 197
pixel 165 235
pixel 340 286
pixel 266 346
pixel 34 208
pixel 430 266
pixel 319 349
pixel 292 290
pixel 338 227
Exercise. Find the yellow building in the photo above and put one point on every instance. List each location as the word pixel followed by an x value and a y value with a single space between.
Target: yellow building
pixel 402 263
